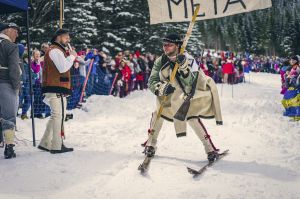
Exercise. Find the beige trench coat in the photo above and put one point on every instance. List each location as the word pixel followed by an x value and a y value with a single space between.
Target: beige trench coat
pixel 204 104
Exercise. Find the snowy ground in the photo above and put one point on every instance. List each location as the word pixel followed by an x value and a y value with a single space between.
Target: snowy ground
pixel 264 158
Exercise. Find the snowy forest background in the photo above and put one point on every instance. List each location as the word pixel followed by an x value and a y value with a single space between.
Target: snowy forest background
pixel 124 24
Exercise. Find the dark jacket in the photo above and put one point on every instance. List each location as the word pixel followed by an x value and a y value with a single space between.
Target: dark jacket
pixel 10 71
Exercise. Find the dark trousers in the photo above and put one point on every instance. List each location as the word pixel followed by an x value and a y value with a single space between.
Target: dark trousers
pixel 8 108
pixel 25 97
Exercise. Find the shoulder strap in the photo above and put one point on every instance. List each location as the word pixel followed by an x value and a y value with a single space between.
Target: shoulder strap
pixel 180 83
pixel 193 85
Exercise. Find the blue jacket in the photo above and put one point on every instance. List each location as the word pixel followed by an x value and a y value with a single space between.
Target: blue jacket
pixel 96 58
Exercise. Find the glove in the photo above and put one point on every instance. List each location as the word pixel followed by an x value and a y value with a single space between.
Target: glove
pixel 120 82
pixel 180 59
pixel 164 89
pixel 184 68
pixel 219 123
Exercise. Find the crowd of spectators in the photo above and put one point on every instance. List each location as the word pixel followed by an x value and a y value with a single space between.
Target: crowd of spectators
pixel 96 72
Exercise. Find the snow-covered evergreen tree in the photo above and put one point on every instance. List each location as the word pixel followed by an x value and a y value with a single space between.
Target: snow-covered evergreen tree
pixel 80 20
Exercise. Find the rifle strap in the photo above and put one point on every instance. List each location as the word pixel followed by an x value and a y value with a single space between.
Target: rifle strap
pixel 180 84
pixel 192 93
pixel 193 90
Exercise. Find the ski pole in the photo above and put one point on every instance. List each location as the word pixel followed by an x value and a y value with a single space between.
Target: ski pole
pixel 113 84
pixel 86 80
pixel 222 89
pixel 232 90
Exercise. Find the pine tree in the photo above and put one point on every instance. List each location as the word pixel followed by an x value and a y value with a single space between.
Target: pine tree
pixel 80 21
pixel 290 35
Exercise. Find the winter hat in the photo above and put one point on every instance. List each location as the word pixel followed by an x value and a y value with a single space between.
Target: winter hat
pixel 23 42
pixel 21 49
pixel 58 33
pixel 4 26
pixel 295 58
pixel 81 53
pixel 137 53
pixel 173 38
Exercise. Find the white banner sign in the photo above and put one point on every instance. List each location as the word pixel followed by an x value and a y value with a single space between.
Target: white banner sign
pixel 182 10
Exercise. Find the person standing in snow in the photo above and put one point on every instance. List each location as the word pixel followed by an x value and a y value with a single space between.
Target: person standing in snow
pixel 57 86
pixel 228 69
pixel 10 73
pixel 290 100
pixel 205 102
pixel 37 68
pixel 24 98
pixel 126 76
pixel 93 77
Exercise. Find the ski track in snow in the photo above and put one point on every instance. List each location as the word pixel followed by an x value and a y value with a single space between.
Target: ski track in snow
pixel 264 157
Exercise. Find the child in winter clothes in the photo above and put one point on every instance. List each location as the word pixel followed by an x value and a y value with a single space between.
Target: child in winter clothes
pixel 37 67
pixel 126 76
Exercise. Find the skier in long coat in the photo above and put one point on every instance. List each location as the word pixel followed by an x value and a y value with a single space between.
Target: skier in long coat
pixel 204 104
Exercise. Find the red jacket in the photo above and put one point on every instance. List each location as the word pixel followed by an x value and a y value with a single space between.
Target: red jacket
pixel 126 73
pixel 140 77
pixel 228 68
pixel 204 69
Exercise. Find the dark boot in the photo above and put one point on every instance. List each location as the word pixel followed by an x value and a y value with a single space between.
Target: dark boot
pixel 212 156
pixel 43 148
pixel 24 117
pixel 149 151
pixel 9 151
pixel 62 150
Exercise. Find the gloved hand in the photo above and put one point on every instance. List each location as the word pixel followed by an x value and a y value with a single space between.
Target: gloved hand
pixel 184 68
pixel 219 123
pixel 164 89
pixel 120 82
pixel 180 59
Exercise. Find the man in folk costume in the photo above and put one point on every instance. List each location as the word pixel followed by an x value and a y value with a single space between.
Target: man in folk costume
pixel 10 73
pixel 205 102
pixel 57 86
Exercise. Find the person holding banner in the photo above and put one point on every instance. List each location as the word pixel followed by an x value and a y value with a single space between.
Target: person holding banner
pixel 10 73
pixel 56 87
pixel 190 80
